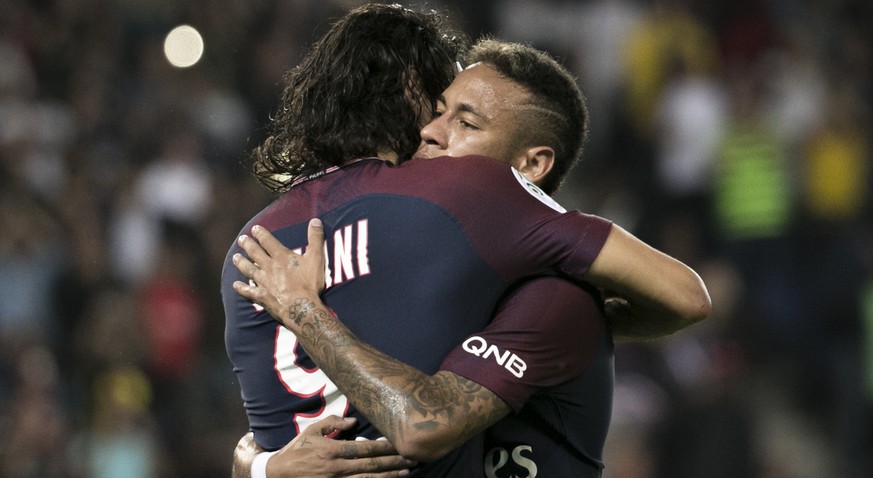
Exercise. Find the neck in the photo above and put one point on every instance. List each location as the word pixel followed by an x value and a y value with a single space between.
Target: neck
pixel 387 155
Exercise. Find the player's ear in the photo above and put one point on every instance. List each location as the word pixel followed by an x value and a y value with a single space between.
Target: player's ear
pixel 536 163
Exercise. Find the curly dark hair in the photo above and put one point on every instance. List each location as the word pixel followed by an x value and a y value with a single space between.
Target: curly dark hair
pixel 363 88
pixel 557 115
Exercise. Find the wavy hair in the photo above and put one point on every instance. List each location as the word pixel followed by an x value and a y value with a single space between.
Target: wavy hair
pixel 366 86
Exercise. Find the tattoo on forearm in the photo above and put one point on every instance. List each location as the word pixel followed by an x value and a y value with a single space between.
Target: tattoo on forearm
pixel 452 400
pixel 313 323
pixel 300 310
pixel 394 396
pixel 401 398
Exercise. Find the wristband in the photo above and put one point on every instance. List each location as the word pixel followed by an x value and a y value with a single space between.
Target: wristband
pixel 259 464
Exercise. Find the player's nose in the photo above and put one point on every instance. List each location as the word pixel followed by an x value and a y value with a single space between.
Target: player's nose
pixel 433 134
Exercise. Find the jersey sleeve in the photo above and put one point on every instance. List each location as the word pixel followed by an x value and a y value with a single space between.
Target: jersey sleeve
pixel 544 333
pixel 515 227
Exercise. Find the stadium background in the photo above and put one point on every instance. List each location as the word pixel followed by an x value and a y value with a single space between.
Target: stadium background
pixel 734 135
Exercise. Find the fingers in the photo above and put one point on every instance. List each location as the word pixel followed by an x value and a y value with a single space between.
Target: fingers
pixel 266 245
pixel 315 236
pixel 360 448
pixel 376 468
pixel 383 466
pixel 245 266
pixel 330 425
pixel 248 269
pixel 253 249
pixel 265 260
pixel 312 453
pixel 246 291
pixel 370 448
pixel 267 241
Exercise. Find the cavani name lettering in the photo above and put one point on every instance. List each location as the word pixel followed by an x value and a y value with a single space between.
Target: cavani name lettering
pixel 350 253
pixel 350 256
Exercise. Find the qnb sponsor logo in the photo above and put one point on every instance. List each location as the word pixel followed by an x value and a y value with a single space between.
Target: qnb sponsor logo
pixel 498 458
pixel 479 347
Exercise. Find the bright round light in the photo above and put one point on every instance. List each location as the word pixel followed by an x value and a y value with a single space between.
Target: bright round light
pixel 183 46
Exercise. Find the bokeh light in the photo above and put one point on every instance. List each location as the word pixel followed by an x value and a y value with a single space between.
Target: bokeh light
pixel 183 46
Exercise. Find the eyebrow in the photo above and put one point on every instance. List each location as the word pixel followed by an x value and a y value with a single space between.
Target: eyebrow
pixel 465 108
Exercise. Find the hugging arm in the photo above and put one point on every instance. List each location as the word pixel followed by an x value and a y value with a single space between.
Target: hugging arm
pixel 657 294
pixel 424 416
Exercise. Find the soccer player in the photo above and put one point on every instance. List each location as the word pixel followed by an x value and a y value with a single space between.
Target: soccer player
pixel 564 397
pixel 424 214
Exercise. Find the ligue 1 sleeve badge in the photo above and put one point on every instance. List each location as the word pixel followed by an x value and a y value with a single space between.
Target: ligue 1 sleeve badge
pixel 536 192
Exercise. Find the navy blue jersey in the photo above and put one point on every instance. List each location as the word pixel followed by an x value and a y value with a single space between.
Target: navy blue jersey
pixel 419 254
pixel 548 355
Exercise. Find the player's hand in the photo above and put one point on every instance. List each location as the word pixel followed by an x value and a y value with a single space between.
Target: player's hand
pixel 626 323
pixel 313 454
pixel 278 277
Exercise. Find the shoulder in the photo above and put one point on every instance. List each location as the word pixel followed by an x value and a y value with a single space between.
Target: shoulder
pixel 481 177
pixel 451 166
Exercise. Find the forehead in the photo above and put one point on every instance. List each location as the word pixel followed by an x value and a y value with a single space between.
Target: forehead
pixel 489 93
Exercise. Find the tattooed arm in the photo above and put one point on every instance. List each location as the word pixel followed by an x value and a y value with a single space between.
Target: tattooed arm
pixel 424 416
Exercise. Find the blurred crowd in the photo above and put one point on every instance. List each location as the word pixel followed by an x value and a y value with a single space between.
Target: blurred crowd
pixel 735 136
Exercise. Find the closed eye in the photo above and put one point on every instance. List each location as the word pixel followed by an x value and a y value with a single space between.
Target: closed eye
pixel 467 125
